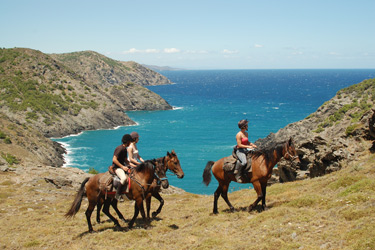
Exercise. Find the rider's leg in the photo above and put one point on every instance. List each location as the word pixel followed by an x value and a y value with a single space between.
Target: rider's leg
pixel 121 174
pixel 240 164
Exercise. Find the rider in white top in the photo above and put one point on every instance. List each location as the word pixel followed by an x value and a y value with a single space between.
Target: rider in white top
pixel 133 153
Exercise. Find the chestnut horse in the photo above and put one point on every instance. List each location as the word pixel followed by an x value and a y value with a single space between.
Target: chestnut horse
pixel 168 162
pixel 262 164
pixel 140 179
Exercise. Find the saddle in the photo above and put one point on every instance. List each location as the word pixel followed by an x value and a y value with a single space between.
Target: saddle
pixel 110 181
pixel 230 162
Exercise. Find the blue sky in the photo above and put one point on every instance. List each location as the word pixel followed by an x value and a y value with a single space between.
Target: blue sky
pixel 199 34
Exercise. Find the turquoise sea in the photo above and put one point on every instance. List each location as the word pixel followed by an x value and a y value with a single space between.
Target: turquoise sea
pixel 207 106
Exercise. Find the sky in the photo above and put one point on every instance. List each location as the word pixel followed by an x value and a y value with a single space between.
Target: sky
pixel 204 34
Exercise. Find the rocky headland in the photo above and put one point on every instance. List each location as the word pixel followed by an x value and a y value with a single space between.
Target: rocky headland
pixel 337 133
pixel 44 96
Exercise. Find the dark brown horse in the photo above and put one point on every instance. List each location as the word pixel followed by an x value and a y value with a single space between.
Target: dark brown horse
pixel 168 162
pixel 141 179
pixel 262 164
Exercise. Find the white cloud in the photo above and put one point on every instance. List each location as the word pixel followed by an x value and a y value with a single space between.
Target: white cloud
pixel 258 46
pixel 171 50
pixel 227 51
pixel 333 54
pixel 196 52
pixel 297 53
pixel 152 51
pixel 137 51
pixel 131 51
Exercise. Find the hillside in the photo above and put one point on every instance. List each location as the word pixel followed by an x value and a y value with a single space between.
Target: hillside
pixel 336 211
pixel 101 69
pixel 332 136
pixel 44 97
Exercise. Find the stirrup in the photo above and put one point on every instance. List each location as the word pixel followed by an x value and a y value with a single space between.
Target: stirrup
pixel 238 178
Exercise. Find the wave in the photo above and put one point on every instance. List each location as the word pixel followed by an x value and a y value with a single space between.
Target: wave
pixel 178 108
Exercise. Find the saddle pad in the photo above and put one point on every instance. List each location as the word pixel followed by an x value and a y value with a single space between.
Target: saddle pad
pixel 229 163
pixel 106 181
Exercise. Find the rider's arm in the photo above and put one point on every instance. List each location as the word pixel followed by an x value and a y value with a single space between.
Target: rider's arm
pixel 115 161
pixel 239 143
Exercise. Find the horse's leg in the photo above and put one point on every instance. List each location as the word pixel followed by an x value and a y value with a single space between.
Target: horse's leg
pixel 264 191
pixel 258 189
pixel 148 205
pixel 136 212
pixel 98 209
pixel 216 197
pixel 88 213
pixel 107 203
pixel 114 203
pixel 224 194
pixel 160 199
pixel 139 203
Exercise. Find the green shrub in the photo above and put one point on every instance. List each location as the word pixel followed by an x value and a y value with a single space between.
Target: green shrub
pixel 350 129
pixel 11 159
pixel 93 171
pixel 2 135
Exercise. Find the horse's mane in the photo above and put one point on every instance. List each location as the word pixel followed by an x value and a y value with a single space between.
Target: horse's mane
pixel 267 152
pixel 144 165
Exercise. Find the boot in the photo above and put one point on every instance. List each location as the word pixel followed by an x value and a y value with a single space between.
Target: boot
pixel 237 172
pixel 118 191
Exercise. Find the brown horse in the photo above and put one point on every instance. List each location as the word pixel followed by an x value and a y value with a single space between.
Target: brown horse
pixel 262 164
pixel 168 162
pixel 140 181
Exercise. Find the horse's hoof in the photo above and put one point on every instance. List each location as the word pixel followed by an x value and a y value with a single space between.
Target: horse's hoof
pixel 232 209
pixel 154 214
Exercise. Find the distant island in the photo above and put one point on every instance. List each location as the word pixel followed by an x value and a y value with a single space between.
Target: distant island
pixel 161 68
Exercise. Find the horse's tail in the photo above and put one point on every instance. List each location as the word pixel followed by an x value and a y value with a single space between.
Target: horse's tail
pixel 207 173
pixel 77 201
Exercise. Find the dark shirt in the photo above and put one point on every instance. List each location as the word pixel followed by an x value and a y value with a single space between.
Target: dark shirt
pixel 122 154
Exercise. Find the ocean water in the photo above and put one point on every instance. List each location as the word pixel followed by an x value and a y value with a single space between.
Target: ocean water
pixel 203 124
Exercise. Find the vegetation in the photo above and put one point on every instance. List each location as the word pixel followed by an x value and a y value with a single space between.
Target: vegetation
pixel 10 159
pixel 93 171
pixel 363 98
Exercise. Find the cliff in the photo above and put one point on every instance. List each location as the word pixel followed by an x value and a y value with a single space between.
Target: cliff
pixel 46 96
pixel 336 134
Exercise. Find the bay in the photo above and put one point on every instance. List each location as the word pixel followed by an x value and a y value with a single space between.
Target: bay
pixel 207 106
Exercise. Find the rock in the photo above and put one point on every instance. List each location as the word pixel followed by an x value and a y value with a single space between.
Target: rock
pixel 324 144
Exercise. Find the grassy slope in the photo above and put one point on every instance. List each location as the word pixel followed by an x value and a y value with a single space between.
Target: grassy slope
pixel 336 211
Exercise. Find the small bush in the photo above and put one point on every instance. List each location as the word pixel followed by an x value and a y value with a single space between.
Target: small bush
pixel 2 135
pixel 93 171
pixel 11 159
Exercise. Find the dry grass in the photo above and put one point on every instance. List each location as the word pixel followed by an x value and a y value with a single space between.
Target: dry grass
pixel 336 211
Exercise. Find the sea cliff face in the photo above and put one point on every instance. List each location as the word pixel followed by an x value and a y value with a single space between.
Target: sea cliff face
pixel 337 133
pixel 57 95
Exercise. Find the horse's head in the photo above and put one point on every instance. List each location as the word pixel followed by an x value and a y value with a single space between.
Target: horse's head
pixel 172 163
pixel 290 152
pixel 160 171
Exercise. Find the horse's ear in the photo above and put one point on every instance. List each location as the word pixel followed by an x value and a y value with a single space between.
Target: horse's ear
pixel 173 152
pixel 168 153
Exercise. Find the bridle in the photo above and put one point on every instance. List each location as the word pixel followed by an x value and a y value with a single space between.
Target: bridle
pixel 288 156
